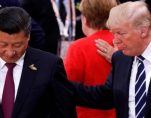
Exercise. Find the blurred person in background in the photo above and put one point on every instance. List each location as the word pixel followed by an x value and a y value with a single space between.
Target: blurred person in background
pixel 37 36
pixel 79 32
pixel 82 63
pixel 45 32
pixel 42 12
pixel 70 19
pixel 67 25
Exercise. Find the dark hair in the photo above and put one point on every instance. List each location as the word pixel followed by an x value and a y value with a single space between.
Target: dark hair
pixel 14 20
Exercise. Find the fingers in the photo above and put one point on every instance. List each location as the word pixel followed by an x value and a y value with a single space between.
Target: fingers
pixel 104 49
pixel 103 45
pixel 101 48
pixel 107 56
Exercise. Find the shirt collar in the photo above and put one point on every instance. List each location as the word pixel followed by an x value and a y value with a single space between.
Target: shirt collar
pixel 19 62
pixel 147 53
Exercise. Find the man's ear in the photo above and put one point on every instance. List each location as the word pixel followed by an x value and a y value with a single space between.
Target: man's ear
pixel 144 31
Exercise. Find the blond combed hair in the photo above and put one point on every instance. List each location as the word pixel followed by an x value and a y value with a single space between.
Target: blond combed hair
pixel 96 11
pixel 136 13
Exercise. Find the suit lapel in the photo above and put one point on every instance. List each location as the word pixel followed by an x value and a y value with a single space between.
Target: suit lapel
pixel 124 74
pixel 122 80
pixel 26 82
pixel 127 76
pixel 128 68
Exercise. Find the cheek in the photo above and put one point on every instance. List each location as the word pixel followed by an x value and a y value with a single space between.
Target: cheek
pixel 20 51
pixel 130 41
pixel 2 52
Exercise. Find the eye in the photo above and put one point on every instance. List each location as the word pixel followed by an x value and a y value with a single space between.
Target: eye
pixel 2 44
pixel 120 33
pixel 17 45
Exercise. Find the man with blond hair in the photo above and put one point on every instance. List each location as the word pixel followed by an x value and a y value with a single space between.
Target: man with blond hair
pixel 128 87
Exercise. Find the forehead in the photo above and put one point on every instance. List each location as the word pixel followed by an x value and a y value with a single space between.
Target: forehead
pixel 15 36
pixel 121 26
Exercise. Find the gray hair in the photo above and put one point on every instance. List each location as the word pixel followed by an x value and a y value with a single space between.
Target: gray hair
pixel 136 13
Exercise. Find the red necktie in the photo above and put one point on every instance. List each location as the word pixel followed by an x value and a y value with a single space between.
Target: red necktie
pixel 8 92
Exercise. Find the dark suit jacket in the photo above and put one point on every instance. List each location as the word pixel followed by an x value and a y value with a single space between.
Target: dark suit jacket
pixel 41 93
pixel 115 92
pixel 42 12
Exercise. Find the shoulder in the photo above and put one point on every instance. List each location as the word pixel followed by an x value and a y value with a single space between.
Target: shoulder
pixel 41 55
pixel 43 60
pixel 119 57
pixel 79 41
pixel 77 44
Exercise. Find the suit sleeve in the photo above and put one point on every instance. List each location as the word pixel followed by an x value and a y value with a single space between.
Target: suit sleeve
pixel 63 95
pixel 99 97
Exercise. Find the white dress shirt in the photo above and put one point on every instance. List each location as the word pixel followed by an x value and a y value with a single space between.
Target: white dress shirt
pixel 17 71
pixel 147 63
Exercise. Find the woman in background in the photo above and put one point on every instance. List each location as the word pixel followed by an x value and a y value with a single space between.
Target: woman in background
pixel 82 63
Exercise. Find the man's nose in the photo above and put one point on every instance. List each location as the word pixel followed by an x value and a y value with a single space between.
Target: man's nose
pixel 117 36
pixel 117 41
pixel 10 53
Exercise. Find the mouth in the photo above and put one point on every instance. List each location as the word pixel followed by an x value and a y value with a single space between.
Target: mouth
pixel 120 47
pixel 9 59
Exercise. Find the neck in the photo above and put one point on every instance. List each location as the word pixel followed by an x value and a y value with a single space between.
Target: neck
pixel 91 31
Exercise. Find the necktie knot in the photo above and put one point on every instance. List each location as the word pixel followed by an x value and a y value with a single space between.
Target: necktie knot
pixel 140 58
pixel 10 65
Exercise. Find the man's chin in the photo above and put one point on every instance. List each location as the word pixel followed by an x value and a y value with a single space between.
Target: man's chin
pixel 10 60
pixel 126 52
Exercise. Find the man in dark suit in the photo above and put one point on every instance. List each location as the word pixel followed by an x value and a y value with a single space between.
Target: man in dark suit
pixel 127 88
pixel 42 12
pixel 37 88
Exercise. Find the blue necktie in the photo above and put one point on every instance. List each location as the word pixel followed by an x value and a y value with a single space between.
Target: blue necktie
pixel 140 89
